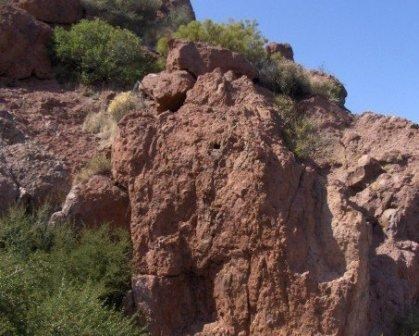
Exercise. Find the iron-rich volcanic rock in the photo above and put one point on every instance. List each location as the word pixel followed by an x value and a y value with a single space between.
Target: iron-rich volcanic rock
pixel 95 202
pixel 231 235
pixel 200 58
pixel 23 44
pixel 168 89
pixel 52 11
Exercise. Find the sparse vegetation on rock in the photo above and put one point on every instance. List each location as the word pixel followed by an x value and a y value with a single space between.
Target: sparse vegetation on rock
pixel 94 52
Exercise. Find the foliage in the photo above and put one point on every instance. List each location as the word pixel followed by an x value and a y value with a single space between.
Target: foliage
pixel 94 52
pixel 122 104
pixel 98 165
pixel 134 15
pixel 409 326
pixel 104 123
pixel 138 16
pixel 299 133
pixel 328 87
pixel 56 281
pixel 284 77
pixel 240 36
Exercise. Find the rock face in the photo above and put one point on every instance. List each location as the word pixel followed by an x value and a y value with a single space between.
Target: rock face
pixel 23 44
pixel 168 89
pixel 52 11
pixel 233 236
pixel 38 175
pixel 200 58
pixel 174 5
pixel 284 49
pixel 95 202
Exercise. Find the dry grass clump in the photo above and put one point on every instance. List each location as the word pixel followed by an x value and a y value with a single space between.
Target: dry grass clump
pixel 99 164
pixel 299 133
pixel 104 123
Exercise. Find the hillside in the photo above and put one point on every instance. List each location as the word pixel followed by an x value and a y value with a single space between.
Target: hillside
pixel 256 203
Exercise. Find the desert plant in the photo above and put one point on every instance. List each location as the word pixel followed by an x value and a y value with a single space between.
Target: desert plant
pixel 135 15
pixel 298 132
pixel 99 164
pixel 58 281
pixel 94 52
pixel 104 123
pixel 240 36
pixel 284 77
pixel 327 86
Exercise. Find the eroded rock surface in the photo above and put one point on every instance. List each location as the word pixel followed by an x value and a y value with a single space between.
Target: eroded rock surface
pixel 200 58
pixel 52 11
pixel 95 202
pixel 168 89
pixel 23 44
pixel 233 236
pixel 283 49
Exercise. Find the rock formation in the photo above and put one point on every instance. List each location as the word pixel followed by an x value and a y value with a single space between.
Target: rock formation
pixel 23 45
pixel 233 236
pixel 52 11
pixel 95 202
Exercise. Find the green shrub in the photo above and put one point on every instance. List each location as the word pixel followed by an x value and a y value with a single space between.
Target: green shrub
pixel 299 133
pixel 328 87
pixel 55 281
pixel 241 36
pixel 94 52
pixel 284 77
pixel 135 15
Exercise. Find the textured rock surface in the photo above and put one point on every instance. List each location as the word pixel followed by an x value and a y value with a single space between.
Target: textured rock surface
pixel 95 202
pixel 39 176
pixel 52 11
pixel 23 45
pixel 233 236
pixel 174 5
pixel 200 58
pixel 284 49
pixel 168 89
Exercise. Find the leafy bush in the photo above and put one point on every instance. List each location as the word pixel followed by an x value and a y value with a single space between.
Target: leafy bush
pixel 94 52
pixel 134 15
pixel 299 133
pixel 240 36
pixel 104 123
pixel 55 281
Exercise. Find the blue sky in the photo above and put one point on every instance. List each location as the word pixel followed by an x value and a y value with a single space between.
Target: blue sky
pixel 372 46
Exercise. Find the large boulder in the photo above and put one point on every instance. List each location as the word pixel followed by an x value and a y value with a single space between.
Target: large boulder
pixel 23 44
pixel 39 177
pixel 200 58
pixel 52 11
pixel 168 89
pixel 232 236
pixel 95 202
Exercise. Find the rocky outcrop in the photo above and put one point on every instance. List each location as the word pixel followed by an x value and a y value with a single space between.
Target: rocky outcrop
pixel 168 89
pixel 283 49
pixel 200 58
pixel 95 202
pixel 52 11
pixel 233 236
pixel 169 6
pixel 23 45
pixel 39 177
